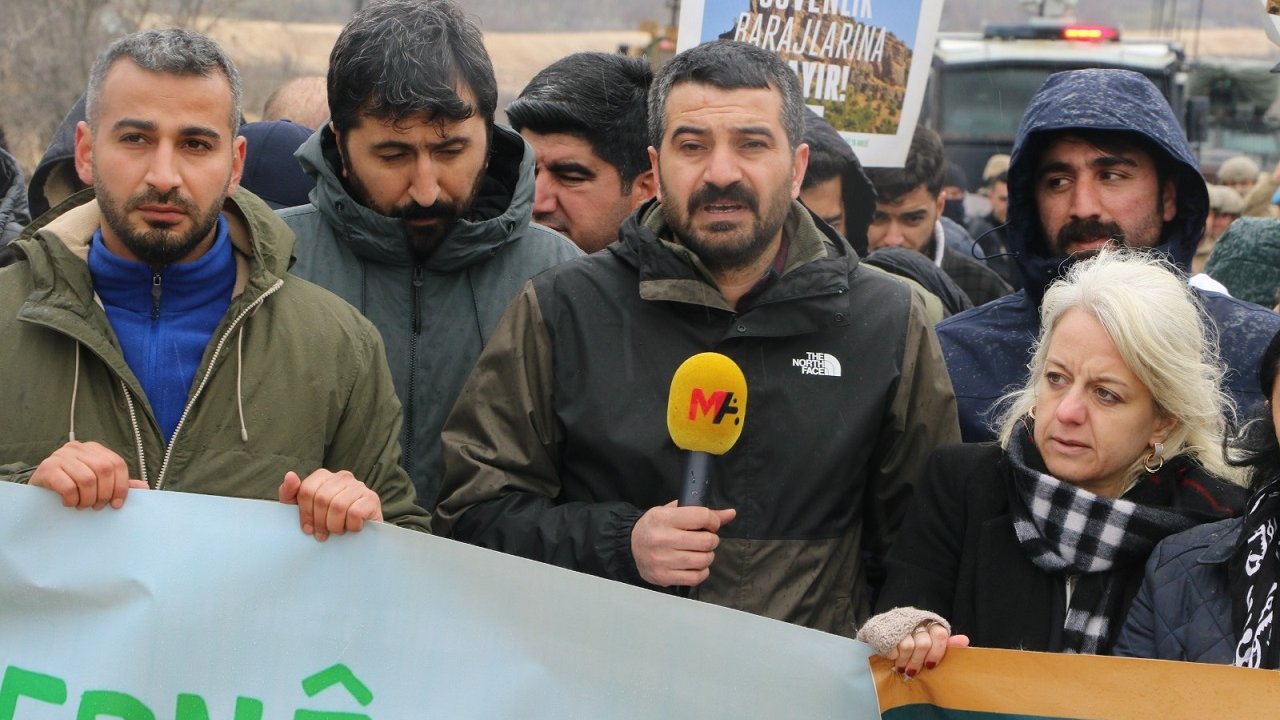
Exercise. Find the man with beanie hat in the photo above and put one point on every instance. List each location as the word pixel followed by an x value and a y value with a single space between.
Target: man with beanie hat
pixel 1240 173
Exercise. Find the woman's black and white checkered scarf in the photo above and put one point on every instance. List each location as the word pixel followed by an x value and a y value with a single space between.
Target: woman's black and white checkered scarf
pixel 1064 529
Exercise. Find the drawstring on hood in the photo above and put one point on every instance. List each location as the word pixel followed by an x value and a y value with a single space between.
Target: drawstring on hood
pixel 244 431
pixel 75 389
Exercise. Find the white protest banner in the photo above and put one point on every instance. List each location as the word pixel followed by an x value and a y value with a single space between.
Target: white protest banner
pixel 207 608
pixel 863 64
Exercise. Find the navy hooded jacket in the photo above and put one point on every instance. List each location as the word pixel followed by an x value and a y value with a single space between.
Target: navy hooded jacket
pixel 987 348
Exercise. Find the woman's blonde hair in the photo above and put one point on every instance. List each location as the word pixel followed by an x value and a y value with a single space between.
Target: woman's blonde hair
pixel 1150 314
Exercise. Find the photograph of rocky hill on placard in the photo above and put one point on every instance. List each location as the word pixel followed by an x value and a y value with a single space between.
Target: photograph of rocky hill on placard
pixel 852 61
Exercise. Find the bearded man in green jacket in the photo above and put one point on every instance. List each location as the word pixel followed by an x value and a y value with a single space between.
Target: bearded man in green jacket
pixel 153 338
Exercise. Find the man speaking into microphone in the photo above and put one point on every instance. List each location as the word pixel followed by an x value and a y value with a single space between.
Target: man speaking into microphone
pixel 558 449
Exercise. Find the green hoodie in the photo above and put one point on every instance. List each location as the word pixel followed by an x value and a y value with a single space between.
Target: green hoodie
pixel 435 315
pixel 292 379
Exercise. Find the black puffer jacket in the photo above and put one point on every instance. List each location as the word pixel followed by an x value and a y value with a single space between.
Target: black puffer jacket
pixel 1183 610
pixel 55 179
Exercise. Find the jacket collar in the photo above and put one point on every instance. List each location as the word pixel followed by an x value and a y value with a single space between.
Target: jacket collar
pixel 1222 544
pixel 819 262
pixel 57 244
pixel 503 207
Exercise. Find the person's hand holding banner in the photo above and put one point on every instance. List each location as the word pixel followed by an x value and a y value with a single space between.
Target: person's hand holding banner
pixel 86 474
pixel 330 502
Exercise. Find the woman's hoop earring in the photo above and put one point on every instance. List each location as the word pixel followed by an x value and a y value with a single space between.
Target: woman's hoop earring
pixel 1155 459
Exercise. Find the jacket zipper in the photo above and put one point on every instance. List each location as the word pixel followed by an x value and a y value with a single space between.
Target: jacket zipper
pixel 406 442
pixel 137 435
pixel 156 279
pixel 213 360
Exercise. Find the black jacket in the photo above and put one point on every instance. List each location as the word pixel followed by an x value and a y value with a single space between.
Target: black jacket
pixel 911 264
pixel 979 282
pixel 1183 610
pixel 54 178
pixel 559 442
pixel 958 556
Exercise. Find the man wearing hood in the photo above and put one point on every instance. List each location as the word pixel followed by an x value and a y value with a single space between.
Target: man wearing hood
pixel 13 204
pixel 55 179
pixel 1099 158
pixel 421 215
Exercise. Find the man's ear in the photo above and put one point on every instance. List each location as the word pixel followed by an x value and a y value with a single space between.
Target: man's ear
pixel 643 187
pixel 337 136
pixel 653 168
pixel 1169 199
pixel 84 152
pixel 799 164
pixel 239 146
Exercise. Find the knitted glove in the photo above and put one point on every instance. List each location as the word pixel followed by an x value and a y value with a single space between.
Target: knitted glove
pixel 884 631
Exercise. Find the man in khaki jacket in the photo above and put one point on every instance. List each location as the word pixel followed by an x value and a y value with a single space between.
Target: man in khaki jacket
pixel 153 336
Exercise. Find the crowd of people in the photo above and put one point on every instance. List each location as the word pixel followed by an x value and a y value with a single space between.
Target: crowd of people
pixel 1048 426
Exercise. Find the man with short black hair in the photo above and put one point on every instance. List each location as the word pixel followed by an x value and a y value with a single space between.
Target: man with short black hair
pixel 153 335
pixel 557 449
pixel 1099 159
pixel 909 205
pixel 586 119
pixel 421 215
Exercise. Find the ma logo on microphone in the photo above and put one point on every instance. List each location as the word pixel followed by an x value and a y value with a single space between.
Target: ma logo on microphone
pixel 720 403
pixel 817 364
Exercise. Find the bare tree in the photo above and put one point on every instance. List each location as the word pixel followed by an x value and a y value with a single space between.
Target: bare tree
pixel 48 46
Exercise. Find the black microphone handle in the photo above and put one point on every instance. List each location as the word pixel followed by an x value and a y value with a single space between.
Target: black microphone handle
pixel 696 478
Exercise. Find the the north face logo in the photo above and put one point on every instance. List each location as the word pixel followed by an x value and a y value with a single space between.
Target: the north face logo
pixel 817 364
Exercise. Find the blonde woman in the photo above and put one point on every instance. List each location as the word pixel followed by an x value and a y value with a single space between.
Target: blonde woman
pixel 1038 542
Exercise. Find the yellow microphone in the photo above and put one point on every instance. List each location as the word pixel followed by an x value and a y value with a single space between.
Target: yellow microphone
pixel 706 409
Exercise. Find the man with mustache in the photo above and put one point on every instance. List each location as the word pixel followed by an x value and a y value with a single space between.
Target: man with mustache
pixel 1099 158
pixel 421 215
pixel 557 449
pixel 153 336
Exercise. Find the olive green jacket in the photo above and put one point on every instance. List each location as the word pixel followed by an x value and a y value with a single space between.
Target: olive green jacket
pixel 293 378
